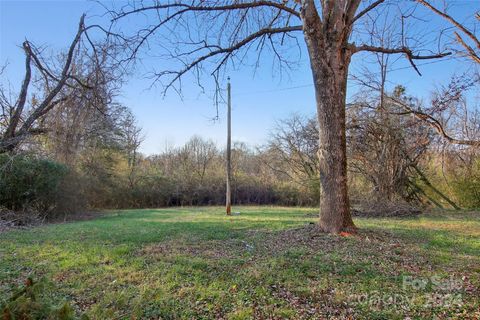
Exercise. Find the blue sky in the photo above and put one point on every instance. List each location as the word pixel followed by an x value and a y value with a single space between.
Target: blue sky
pixel 259 99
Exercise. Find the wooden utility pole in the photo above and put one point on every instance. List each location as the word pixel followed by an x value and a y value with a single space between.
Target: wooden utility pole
pixel 228 197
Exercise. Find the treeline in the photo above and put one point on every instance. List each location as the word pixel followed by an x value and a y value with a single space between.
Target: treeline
pixel 194 174
pixel 96 164
pixel 114 176
pixel 89 159
pixel 67 146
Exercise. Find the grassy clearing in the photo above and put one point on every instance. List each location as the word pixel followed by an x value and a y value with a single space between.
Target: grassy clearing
pixel 266 263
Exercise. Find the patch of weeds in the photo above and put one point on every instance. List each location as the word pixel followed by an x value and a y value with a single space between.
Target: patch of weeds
pixel 34 301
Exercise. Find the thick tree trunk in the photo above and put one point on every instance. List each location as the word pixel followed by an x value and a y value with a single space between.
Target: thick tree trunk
pixel 329 61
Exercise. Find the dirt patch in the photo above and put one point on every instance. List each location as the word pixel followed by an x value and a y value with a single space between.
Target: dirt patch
pixel 369 246
pixel 305 236
pixel 214 249
pixel 310 236
pixel 320 304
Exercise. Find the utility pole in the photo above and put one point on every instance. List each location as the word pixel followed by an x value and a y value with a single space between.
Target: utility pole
pixel 228 197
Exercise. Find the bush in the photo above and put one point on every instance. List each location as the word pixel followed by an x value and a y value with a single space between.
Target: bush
pixel 34 301
pixel 29 183
pixel 459 180
pixel 467 193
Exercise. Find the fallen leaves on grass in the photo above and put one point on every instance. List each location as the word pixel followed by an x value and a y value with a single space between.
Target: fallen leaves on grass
pixel 214 249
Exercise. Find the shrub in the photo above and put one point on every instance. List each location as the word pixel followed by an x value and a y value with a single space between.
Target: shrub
pixel 33 302
pixel 467 192
pixel 29 183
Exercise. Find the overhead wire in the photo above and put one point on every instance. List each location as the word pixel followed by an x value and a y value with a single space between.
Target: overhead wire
pixel 311 84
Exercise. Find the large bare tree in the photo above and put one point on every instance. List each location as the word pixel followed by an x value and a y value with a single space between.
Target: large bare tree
pixel 52 83
pixel 200 35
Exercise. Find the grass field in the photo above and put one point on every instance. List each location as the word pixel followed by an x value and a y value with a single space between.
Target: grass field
pixel 266 263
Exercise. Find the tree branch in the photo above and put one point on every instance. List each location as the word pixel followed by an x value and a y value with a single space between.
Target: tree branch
pixel 434 123
pixel 47 72
pixel 39 111
pixel 227 51
pixel 12 137
pixel 403 50
pixel 366 10
pixel 187 7
pixel 20 105
pixel 469 49
pixel 460 27
pixel 453 21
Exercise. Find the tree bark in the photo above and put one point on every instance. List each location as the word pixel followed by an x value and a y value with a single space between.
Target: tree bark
pixel 330 58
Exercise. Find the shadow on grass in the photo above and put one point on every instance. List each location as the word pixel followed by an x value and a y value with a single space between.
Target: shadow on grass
pixel 189 263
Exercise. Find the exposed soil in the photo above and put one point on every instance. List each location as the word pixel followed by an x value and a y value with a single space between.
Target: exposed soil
pixel 312 238
pixel 213 249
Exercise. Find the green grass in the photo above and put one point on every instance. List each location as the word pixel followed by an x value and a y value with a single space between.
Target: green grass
pixel 195 263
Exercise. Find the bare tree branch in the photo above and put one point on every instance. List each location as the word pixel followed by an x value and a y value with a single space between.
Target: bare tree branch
pixel 452 21
pixel 187 7
pixel 227 51
pixel 432 122
pixel 47 72
pixel 13 134
pixel 403 50
pixel 470 50
pixel 367 10
pixel 475 56
pixel 20 105
pixel 63 79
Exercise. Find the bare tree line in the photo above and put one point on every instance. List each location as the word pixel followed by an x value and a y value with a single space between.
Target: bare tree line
pixel 333 32
pixel 70 113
